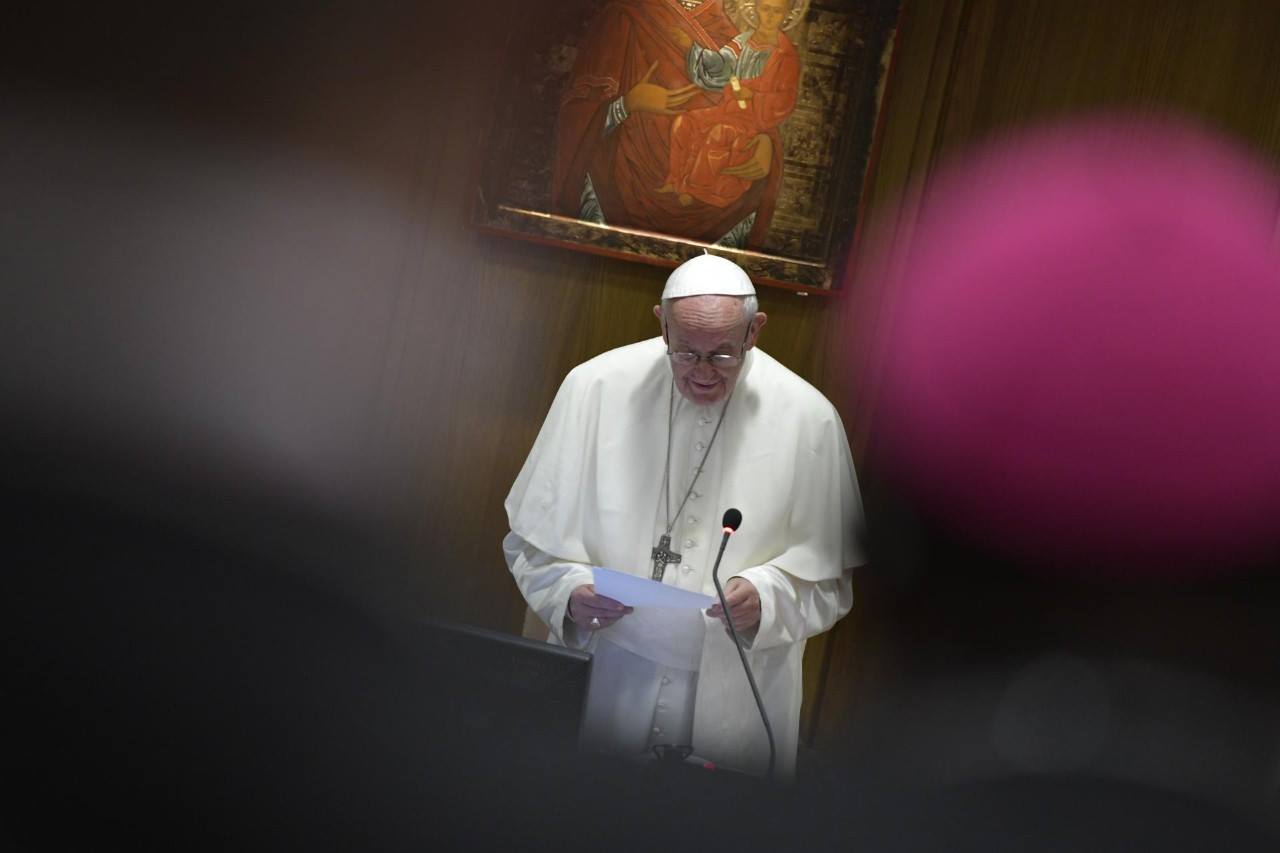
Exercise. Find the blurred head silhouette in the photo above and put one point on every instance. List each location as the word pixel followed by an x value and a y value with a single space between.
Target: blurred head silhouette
pixel 1078 370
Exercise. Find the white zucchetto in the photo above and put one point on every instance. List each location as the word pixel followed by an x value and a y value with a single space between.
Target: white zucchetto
pixel 707 274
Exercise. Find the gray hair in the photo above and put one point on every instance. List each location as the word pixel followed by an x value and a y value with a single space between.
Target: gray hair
pixel 750 306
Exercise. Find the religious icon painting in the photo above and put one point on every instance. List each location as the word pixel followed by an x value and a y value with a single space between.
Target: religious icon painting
pixel 655 129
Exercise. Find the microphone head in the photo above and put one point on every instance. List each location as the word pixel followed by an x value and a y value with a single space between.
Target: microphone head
pixel 732 520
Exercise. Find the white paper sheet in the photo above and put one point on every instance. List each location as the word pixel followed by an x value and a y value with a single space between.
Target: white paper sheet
pixel 641 592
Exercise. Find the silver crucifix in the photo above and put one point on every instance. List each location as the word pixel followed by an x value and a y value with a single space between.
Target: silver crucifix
pixel 662 555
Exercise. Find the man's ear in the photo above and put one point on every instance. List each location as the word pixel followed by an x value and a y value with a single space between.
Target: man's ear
pixel 657 312
pixel 757 323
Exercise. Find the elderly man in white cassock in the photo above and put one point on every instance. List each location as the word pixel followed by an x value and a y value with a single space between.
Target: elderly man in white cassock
pixel 644 448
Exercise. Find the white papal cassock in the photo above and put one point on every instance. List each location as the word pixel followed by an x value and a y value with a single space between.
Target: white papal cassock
pixel 590 494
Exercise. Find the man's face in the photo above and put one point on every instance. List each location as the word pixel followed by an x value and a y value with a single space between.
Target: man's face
pixel 771 13
pixel 708 325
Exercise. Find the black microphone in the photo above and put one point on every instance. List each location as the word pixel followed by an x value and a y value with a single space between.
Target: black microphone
pixel 732 521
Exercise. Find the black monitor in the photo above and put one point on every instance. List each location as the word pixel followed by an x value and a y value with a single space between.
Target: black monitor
pixel 505 695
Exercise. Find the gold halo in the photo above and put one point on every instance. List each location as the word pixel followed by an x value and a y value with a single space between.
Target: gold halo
pixel 743 14
pixel 733 8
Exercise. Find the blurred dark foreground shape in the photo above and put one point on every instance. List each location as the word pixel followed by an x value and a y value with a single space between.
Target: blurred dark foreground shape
pixel 209 645
pixel 211 641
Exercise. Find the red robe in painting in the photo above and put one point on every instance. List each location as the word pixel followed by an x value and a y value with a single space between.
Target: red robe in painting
pixel 706 142
pixel 630 164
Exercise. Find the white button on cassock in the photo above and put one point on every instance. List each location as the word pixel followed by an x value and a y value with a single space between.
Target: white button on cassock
pixel 689 543
pixel 686 570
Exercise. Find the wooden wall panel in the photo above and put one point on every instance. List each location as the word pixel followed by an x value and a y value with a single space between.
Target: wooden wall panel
pixel 1023 62
pixel 971 68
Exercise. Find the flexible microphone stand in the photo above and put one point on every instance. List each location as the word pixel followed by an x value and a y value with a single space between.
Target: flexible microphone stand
pixel 732 521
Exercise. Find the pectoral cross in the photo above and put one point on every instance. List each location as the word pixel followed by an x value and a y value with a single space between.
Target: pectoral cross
pixel 662 555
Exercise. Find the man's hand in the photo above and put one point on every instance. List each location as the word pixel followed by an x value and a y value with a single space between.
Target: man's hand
pixel 646 97
pixel 592 611
pixel 761 148
pixel 744 605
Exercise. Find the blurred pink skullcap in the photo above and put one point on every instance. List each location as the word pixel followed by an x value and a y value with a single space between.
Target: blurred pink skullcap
pixel 1081 356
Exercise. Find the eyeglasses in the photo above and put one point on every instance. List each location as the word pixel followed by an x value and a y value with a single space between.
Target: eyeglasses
pixel 688 359
pixel 685 358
